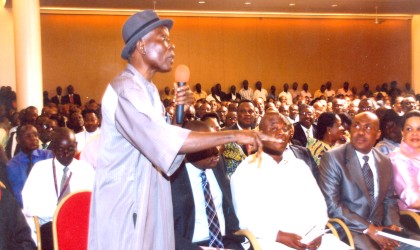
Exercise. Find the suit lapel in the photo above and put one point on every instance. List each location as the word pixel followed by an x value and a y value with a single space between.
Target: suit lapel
pixel 355 170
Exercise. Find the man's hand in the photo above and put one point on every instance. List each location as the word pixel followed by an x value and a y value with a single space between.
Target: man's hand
pixel 315 243
pixel 290 240
pixel 383 242
pixel 183 95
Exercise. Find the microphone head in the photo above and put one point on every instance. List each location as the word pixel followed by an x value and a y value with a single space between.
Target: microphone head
pixel 182 73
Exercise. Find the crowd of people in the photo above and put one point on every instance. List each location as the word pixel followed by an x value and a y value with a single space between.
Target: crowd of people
pixel 278 164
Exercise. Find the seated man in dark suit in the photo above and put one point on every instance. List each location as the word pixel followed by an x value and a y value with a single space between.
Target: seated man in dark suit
pixel 295 151
pixel 305 127
pixel 357 183
pixel 190 206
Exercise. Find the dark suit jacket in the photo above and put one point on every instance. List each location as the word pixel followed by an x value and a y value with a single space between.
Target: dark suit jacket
pixel 76 98
pixel 300 135
pixel 305 155
pixel 14 231
pixel 346 194
pixel 54 99
pixel 184 209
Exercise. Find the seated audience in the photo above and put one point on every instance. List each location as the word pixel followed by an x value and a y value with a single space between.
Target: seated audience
pixel 329 132
pixel 356 180
pixel 52 179
pixel 283 219
pixel 14 231
pixel 203 218
pixel 76 122
pixel 390 125
pixel 406 163
pixel 19 167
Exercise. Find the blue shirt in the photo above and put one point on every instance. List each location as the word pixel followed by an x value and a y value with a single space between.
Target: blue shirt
pixel 17 169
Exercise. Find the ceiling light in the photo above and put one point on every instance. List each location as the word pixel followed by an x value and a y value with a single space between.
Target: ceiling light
pixel 247 3
pixel 334 5
pixel 292 4
pixel 201 2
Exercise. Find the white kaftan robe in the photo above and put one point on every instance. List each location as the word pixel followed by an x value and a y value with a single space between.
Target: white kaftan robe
pixel 137 148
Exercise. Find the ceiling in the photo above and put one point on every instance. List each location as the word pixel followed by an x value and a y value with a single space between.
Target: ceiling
pixel 357 7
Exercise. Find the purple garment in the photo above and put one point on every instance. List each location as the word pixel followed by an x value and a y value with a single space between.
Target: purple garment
pixel 406 166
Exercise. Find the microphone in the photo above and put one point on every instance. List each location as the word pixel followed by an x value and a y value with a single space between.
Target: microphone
pixel 182 75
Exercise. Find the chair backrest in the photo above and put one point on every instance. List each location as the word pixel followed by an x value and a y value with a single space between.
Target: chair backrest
pixel 71 221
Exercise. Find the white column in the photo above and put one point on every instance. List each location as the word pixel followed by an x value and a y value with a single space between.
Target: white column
pixel 415 53
pixel 27 26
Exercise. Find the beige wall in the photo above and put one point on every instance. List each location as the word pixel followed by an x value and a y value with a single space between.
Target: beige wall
pixel 84 50
pixel 7 49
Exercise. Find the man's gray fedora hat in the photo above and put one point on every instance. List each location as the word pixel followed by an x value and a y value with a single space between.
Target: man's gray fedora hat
pixel 139 25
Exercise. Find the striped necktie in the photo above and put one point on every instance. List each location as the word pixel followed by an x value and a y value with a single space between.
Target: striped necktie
pixel 213 221
pixel 368 175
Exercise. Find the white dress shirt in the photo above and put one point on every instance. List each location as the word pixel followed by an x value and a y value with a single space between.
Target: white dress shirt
pixel 270 197
pixel 39 194
pixel 201 226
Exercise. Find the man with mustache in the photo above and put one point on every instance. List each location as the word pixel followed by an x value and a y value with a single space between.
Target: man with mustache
pixel 304 128
pixel 356 180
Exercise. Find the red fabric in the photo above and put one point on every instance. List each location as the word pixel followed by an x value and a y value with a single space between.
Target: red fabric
pixel 73 222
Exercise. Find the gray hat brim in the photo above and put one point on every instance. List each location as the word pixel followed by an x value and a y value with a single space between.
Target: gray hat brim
pixel 132 42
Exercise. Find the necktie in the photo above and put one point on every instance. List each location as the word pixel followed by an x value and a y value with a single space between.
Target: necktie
pixel 368 175
pixel 30 164
pixel 71 99
pixel 63 183
pixel 213 221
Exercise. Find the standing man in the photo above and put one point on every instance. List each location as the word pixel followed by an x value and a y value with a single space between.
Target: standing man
pixel 199 93
pixel 57 98
pixel 357 184
pixel 260 92
pixel 246 92
pixel 286 93
pixel 71 97
pixel 131 201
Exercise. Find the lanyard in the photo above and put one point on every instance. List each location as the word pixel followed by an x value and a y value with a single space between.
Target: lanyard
pixel 55 182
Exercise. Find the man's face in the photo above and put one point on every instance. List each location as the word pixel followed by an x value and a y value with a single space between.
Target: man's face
pixel 222 112
pixel 393 131
pixel 91 122
pixel 204 108
pixel 364 131
pixel 246 114
pixel 397 104
pixel 293 111
pixel 338 106
pixel 28 139
pixel 366 105
pixel 295 86
pixel 275 127
pixel 408 104
pixel 231 118
pixel 158 50
pixel 260 105
pixel 65 149
pixel 70 89
pixel 284 110
pixel 306 117
pixel 213 106
pixel 59 90
pixel 30 115
pixel 77 120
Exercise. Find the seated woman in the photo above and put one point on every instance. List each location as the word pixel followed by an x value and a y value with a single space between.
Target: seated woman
pixel 390 125
pixel 406 162
pixel 329 131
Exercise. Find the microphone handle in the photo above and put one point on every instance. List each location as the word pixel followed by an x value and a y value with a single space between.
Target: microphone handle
pixel 179 114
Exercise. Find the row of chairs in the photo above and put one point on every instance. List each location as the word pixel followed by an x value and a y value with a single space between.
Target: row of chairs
pixel 71 224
